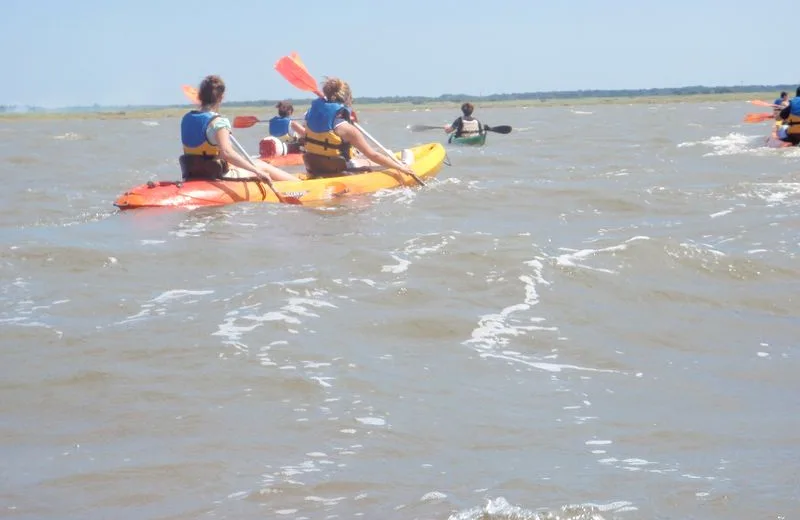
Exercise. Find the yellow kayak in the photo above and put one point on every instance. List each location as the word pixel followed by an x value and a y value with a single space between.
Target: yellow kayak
pixel 428 159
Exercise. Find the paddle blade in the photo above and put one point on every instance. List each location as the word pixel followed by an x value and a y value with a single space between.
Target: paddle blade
pixel 191 94
pixel 421 128
pixel 294 71
pixel 502 129
pixel 758 117
pixel 245 121
pixel 760 103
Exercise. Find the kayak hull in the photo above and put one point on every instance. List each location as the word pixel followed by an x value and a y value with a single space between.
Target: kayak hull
pixel 773 141
pixel 428 160
pixel 473 140
pixel 290 159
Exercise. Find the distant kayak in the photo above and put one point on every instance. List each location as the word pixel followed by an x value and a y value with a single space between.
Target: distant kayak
pixel 428 160
pixel 473 140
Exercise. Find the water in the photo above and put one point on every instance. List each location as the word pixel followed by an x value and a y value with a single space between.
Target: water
pixel 594 317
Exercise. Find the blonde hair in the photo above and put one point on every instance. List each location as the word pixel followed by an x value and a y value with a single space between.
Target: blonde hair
pixel 336 89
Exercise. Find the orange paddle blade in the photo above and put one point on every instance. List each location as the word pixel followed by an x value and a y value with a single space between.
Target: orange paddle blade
pixel 758 117
pixel 245 121
pixel 191 94
pixel 294 71
pixel 763 103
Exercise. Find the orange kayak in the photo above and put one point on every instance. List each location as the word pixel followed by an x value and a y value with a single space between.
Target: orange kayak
pixel 428 160
pixel 290 159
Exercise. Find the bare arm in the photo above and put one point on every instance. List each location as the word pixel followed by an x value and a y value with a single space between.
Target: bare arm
pixel 299 129
pixel 229 154
pixel 350 134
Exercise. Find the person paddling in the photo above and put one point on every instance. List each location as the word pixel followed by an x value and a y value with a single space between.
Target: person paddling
pixel 466 125
pixel 283 127
pixel 332 141
pixel 208 151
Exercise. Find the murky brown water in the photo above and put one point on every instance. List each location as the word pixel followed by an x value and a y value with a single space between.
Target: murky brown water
pixel 595 316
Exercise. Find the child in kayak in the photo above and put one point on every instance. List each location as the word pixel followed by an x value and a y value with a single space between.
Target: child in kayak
pixel 208 150
pixel 282 126
pixel 332 141
pixel 466 125
pixel 781 102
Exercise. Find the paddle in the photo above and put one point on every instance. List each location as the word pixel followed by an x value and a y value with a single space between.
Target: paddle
pixel 294 71
pixel 502 129
pixel 421 128
pixel 265 178
pixel 758 117
pixel 191 94
pixel 248 121
pixel 764 103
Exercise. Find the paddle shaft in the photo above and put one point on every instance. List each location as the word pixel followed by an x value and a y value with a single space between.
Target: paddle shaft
pixel 387 152
pixel 265 178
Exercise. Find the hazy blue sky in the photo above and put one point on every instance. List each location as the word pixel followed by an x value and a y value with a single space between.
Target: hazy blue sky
pixel 117 52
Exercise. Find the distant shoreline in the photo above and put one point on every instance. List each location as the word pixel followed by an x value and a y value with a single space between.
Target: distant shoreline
pixel 234 109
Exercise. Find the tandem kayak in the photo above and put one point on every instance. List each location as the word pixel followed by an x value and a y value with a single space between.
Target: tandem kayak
pixel 428 159
pixel 473 140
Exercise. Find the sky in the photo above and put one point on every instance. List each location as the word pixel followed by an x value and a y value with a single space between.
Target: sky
pixel 61 53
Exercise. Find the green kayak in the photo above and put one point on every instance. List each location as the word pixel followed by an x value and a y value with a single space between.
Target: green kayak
pixel 473 140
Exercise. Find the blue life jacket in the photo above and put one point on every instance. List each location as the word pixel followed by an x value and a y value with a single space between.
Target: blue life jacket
pixel 320 137
pixel 794 106
pixel 322 113
pixel 193 133
pixel 279 126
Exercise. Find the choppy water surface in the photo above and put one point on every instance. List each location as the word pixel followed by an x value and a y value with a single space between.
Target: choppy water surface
pixel 594 317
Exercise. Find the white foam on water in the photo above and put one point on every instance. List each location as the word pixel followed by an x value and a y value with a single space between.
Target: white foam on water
pixel 69 136
pixel 777 193
pixel 371 421
pixel 571 258
pixel 721 213
pixel 400 267
pixel 432 495
pixel 177 294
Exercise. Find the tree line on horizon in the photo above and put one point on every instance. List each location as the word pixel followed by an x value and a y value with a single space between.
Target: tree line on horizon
pixel 459 98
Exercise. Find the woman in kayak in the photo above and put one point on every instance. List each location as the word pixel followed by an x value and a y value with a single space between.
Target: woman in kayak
pixel 208 152
pixel 282 126
pixel 466 125
pixel 332 140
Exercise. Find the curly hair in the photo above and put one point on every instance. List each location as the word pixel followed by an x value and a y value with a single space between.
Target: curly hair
pixel 467 109
pixel 337 90
pixel 211 90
